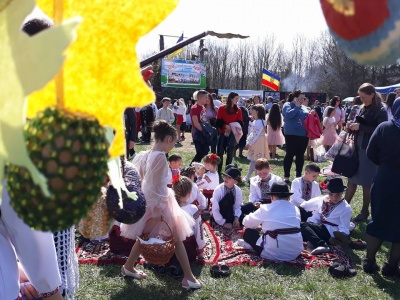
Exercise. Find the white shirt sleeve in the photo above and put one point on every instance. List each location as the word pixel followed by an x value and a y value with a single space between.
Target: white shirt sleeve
pixel 258 126
pixel 201 199
pixel 238 201
pixel 254 190
pixel 344 225
pixel 253 220
pixel 297 197
pixel 217 196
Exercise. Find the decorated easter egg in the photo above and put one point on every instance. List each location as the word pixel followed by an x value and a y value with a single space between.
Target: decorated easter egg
pixel 367 31
pixel 72 152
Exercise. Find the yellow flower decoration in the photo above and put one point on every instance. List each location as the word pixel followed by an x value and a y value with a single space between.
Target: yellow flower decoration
pixel 102 74
pixel 27 64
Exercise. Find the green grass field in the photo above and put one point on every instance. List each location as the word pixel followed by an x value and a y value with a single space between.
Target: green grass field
pixel 262 282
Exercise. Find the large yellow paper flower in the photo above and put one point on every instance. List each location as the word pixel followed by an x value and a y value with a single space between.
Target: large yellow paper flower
pixel 102 75
pixel 27 64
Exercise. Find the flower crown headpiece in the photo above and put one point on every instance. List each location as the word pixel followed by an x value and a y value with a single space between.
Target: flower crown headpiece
pixel 213 157
pixel 175 178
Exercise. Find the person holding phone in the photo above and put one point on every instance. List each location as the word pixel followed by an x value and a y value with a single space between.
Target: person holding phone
pixel 294 113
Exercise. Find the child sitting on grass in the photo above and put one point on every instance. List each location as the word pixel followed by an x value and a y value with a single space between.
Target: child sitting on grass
pixel 227 200
pixel 260 186
pixel 280 222
pixel 330 224
pixel 305 188
pixel 196 196
pixel 174 162
pixel 182 187
pixel 207 176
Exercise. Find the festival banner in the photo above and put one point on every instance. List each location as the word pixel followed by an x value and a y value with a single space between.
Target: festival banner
pixel 183 74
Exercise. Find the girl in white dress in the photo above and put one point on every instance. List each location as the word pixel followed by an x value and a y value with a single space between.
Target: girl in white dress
pixel 153 169
pixel 208 180
pixel 257 144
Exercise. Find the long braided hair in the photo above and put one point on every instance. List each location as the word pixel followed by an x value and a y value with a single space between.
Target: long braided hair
pixel 182 187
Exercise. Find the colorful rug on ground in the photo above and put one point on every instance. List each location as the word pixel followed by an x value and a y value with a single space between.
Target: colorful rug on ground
pixel 221 248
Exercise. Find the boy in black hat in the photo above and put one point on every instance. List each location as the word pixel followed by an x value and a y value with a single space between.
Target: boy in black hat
pixel 280 221
pixel 227 199
pixel 332 220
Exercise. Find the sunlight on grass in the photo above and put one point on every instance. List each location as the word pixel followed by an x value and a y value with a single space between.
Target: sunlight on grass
pixel 261 282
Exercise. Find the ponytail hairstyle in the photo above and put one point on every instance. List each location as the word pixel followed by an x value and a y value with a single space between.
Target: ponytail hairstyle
pixel 182 187
pixel 274 117
pixel 212 159
pixel 230 108
pixel 290 98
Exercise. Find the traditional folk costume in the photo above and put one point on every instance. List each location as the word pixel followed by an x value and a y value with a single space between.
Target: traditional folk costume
pixel 280 221
pixel 330 217
pixel 209 181
pixel 257 141
pixel 197 229
pixel 197 197
pixel 303 191
pixel 172 173
pixel 34 249
pixel 226 204
pixel 259 189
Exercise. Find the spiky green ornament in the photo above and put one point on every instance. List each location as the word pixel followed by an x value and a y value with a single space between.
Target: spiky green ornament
pixel 71 151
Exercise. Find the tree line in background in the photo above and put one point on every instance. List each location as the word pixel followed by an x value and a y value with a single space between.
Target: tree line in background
pixel 312 65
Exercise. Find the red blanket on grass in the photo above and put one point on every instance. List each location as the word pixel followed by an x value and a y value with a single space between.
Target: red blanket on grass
pixel 221 247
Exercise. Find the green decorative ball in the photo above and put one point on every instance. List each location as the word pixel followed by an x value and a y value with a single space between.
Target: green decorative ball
pixel 71 151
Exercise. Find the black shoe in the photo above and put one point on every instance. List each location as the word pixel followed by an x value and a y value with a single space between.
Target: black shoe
pixel 370 266
pixel 390 271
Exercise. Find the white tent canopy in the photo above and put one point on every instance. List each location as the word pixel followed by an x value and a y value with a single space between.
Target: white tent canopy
pixel 387 89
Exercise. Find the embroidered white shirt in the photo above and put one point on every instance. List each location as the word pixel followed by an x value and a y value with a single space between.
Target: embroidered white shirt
pixel 277 215
pixel 219 193
pixel 296 189
pixel 197 195
pixel 255 191
pixel 209 181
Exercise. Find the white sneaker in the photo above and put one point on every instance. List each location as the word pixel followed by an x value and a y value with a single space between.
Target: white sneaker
pixel 243 244
pixel 320 250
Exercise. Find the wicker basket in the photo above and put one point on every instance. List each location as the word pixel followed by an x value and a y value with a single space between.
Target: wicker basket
pixel 158 254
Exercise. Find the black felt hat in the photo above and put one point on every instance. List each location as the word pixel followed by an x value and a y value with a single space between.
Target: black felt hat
pixel 335 185
pixel 233 173
pixel 280 189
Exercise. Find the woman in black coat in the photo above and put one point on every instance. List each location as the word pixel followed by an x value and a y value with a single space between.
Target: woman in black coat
pixel 372 113
pixel 384 150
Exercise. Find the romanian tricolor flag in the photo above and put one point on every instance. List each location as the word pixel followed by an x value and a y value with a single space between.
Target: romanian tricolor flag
pixel 270 80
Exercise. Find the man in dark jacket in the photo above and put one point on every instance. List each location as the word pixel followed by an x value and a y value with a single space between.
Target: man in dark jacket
pixel 130 131
pixel 147 116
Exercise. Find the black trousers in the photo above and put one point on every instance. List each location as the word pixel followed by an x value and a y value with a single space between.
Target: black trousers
pixel 295 146
pixel 201 151
pixel 247 209
pixel 317 234
pixel 225 144
pixel 304 215
pixel 251 237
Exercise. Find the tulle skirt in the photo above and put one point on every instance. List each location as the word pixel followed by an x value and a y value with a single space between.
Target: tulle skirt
pixel 275 137
pixel 180 222
pixel 329 136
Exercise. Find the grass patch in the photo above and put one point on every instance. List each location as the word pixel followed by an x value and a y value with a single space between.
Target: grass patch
pixel 262 282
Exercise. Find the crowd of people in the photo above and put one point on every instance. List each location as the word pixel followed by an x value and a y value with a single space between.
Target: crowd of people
pixel 277 218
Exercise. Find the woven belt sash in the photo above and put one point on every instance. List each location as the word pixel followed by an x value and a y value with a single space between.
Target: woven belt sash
pixel 282 231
